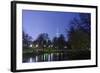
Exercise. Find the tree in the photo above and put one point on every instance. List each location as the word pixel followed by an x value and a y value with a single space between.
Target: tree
pixel 55 42
pixel 59 42
pixel 49 43
pixel 79 34
pixel 83 22
pixel 26 40
pixel 79 40
pixel 42 40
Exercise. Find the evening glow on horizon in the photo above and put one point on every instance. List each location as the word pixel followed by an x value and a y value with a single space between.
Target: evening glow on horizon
pixel 36 22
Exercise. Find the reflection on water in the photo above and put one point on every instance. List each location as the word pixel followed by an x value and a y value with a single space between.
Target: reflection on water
pixel 61 56
pixel 45 57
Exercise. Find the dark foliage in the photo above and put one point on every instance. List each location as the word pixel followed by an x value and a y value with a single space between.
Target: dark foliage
pixel 79 34
pixel 26 40
pixel 42 40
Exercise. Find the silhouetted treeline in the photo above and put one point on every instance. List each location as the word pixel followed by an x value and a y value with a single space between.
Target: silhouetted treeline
pixel 44 41
pixel 79 36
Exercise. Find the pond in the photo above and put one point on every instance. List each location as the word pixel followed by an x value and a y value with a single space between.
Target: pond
pixel 45 57
pixel 58 56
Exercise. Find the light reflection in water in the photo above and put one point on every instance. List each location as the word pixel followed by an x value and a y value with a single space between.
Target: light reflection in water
pixel 36 58
pixel 44 57
pixel 30 60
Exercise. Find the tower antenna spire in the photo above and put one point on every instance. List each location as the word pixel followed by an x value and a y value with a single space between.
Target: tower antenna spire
pixel 57 32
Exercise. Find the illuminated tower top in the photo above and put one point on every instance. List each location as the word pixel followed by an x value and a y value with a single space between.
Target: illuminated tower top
pixel 57 32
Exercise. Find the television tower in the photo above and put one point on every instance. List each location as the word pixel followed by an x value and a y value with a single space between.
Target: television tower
pixel 57 32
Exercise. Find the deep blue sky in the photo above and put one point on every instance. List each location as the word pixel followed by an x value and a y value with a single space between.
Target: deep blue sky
pixel 50 22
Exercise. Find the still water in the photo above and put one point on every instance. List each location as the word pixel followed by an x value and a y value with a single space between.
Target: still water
pixel 45 57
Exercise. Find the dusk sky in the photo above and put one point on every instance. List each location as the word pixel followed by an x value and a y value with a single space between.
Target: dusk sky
pixel 50 22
